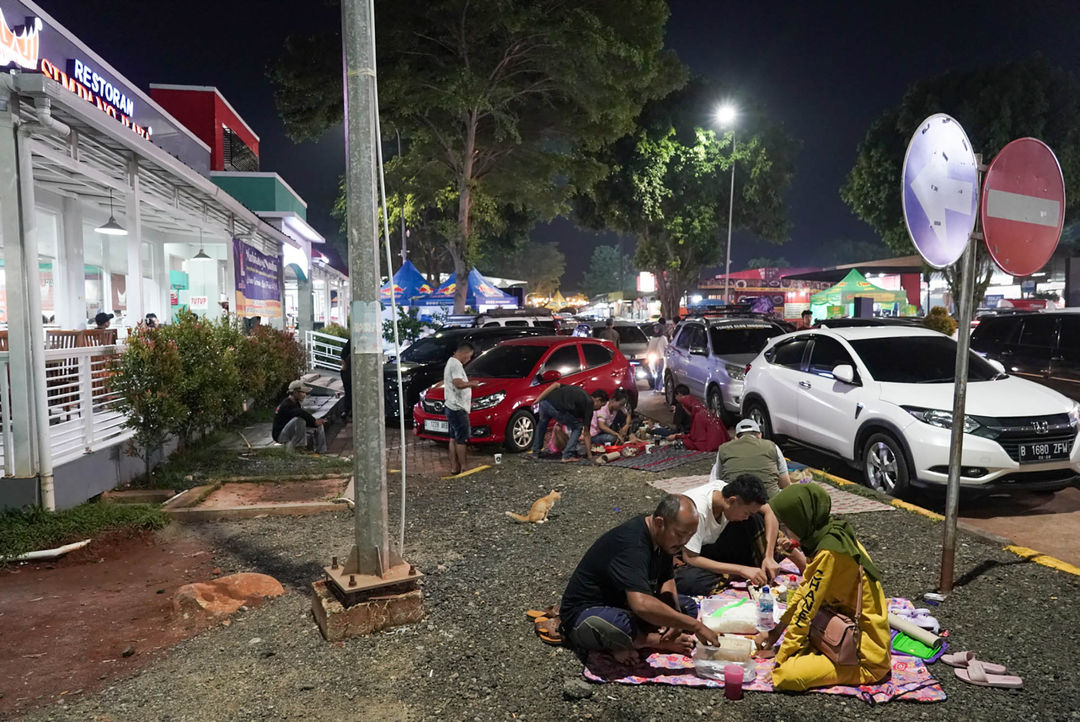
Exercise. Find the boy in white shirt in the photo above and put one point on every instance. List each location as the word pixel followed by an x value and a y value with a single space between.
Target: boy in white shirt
pixel 750 555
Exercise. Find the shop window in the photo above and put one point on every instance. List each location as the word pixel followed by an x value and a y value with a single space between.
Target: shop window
pixel 237 155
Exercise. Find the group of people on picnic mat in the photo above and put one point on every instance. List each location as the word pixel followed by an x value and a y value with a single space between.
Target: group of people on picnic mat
pixel 628 594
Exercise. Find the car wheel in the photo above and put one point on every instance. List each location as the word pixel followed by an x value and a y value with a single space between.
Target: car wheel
pixel 669 389
pixel 520 430
pixel 885 467
pixel 757 411
pixel 716 405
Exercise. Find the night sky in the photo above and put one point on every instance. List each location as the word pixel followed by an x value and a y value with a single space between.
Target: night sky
pixel 823 70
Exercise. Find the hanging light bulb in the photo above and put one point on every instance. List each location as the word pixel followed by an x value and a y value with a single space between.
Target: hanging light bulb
pixel 111 227
pixel 201 255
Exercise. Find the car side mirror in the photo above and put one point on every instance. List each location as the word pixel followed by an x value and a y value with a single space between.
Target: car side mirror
pixel 699 351
pixel 844 373
pixel 550 376
pixel 998 366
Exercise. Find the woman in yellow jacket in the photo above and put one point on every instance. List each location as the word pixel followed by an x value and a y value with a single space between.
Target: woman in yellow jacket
pixel 831 579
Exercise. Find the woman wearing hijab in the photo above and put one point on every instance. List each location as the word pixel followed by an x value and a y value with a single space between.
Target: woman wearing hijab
pixel 839 571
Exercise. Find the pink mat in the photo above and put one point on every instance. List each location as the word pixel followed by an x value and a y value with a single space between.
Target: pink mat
pixel 910 680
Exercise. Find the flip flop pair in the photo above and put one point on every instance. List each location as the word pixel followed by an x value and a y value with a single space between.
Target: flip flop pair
pixel 546 624
pixel 982 674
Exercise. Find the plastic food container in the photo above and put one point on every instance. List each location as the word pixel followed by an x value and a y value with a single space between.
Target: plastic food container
pixel 709 662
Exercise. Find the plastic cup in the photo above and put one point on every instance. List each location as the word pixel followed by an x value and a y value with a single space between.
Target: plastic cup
pixel 733 679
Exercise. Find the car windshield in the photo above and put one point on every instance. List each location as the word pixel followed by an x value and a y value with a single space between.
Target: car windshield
pixel 747 339
pixel 917 360
pixel 429 350
pixel 506 362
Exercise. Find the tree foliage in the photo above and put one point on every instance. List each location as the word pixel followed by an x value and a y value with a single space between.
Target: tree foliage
pixel 610 270
pixel 540 264
pixel 995 105
pixel 498 99
pixel 766 262
pixel 668 185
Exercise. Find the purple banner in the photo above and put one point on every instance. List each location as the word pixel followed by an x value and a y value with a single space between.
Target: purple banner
pixel 258 281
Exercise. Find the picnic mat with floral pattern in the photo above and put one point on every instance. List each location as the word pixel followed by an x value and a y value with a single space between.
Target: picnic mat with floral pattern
pixel 910 680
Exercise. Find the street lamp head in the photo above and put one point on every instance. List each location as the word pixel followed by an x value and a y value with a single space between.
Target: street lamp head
pixel 725 114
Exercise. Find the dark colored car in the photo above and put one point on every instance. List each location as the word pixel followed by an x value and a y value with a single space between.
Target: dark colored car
pixel 513 374
pixel 1041 346
pixel 423 362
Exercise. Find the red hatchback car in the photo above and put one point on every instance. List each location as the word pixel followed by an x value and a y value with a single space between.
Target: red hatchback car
pixel 513 374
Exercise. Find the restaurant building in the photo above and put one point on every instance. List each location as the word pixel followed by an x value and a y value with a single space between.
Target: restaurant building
pixel 116 201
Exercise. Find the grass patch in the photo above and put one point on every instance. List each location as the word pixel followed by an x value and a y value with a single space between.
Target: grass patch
pixel 205 464
pixel 31 529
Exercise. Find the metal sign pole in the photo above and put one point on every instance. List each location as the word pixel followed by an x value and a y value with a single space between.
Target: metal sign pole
pixel 960 379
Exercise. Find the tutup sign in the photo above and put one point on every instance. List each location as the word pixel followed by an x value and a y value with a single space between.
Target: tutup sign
pixel 938 191
pixel 1023 206
pixel 258 282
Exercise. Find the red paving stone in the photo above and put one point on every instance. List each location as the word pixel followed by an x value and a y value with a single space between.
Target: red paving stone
pixel 422 456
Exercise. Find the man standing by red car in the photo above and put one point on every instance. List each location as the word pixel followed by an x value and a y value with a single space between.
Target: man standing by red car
pixel 458 404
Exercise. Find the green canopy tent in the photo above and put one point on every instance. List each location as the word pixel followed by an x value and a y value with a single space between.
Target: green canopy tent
pixel 824 304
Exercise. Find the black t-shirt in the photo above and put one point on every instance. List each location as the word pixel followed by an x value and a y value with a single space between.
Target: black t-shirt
pixel 623 560
pixel 573 400
pixel 287 410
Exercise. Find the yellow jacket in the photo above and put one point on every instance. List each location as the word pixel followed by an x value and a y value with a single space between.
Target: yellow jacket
pixel 832 579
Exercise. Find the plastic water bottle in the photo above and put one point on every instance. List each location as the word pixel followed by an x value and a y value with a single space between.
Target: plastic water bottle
pixel 765 620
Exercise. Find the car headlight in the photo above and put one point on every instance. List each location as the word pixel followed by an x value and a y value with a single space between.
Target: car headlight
pixel 1074 415
pixel 486 402
pixel 941 419
pixel 423 394
pixel 737 373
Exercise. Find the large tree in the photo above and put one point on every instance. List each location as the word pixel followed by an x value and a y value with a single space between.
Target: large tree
pixel 668 185
pixel 541 264
pixel 500 99
pixel 610 270
pixel 995 105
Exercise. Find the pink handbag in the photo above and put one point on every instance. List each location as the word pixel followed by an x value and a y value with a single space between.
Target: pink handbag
pixel 837 635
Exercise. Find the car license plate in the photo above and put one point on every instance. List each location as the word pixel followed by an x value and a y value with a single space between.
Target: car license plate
pixel 1044 451
pixel 439 427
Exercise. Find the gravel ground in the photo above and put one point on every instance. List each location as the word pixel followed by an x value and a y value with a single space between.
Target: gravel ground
pixel 475 656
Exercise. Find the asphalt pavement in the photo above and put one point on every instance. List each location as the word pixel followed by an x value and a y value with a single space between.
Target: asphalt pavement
pixel 1047 522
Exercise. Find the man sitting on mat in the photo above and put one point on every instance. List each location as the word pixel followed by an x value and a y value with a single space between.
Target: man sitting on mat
pixel 622 597
pixel 748 453
pixel 737 537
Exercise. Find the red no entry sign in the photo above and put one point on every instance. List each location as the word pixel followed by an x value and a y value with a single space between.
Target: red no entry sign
pixel 1023 206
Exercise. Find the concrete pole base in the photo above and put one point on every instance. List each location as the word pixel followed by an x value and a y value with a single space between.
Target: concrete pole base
pixel 382 610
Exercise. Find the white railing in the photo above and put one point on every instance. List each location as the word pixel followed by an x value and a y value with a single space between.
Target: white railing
pixel 7 435
pixel 324 350
pixel 81 402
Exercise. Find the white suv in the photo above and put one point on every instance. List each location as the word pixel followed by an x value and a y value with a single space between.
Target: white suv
pixel 881 398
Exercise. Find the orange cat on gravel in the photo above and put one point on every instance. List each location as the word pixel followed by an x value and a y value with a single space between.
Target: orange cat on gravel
pixel 540 508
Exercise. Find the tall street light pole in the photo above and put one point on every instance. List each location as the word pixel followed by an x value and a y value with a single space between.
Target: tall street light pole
pixel 726 115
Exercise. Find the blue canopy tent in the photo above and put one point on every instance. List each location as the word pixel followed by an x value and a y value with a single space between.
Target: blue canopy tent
pixel 407 283
pixel 480 293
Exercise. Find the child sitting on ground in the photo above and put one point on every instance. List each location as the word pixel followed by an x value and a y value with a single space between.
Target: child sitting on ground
pixel 610 424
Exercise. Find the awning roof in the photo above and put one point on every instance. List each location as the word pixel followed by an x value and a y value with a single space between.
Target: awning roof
pixel 175 198
pixel 835 274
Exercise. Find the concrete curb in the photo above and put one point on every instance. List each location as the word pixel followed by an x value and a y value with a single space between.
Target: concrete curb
pixel 1025 553
pixel 230 513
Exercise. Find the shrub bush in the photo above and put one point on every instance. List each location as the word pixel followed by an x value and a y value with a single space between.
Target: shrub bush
pixel 410 327
pixel 336 329
pixel 209 388
pixel 270 360
pixel 146 375
pixel 939 320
